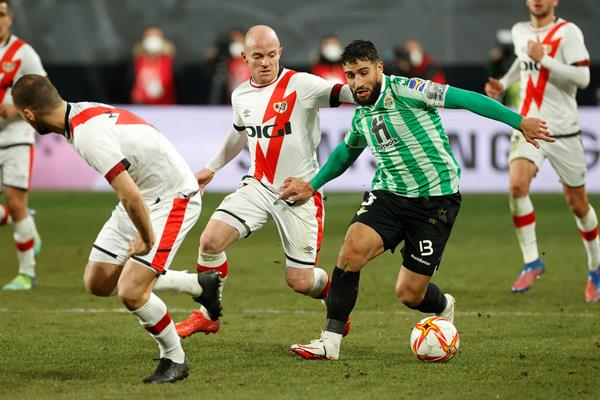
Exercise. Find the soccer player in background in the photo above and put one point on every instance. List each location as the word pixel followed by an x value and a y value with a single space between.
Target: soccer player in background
pixel 159 204
pixel 276 114
pixel 414 196
pixel 552 63
pixel 17 58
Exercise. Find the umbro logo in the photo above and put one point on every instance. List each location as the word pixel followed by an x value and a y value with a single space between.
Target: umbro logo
pixel 246 113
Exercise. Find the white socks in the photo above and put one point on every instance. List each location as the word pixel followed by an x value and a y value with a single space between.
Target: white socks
pixel 588 228
pixel 153 316
pixel 24 233
pixel 321 283
pixel 181 281
pixel 524 220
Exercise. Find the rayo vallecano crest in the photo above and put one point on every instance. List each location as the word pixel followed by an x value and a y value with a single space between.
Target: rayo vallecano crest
pixel 8 66
pixel 280 107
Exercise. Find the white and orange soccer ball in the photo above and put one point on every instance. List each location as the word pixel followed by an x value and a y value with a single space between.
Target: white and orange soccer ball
pixel 434 339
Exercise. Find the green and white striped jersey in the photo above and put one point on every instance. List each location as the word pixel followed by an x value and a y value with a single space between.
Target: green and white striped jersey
pixel 405 134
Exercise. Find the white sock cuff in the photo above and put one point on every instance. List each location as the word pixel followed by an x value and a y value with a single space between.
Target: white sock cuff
pixel 320 279
pixel 24 230
pixel 212 260
pixel 152 312
pixel 520 206
pixel 589 222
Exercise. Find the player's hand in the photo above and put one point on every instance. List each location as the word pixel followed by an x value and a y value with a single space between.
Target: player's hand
pixel 204 176
pixel 534 129
pixel 535 50
pixel 137 246
pixel 8 111
pixel 494 88
pixel 295 189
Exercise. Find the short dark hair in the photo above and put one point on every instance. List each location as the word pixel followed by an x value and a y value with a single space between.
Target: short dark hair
pixel 35 92
pixel 360 50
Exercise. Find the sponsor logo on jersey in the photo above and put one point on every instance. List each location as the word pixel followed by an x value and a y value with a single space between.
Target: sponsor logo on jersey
pixel 417 84
pixel 246 113
pixel 8 66
pixel 388 102
pixel 268 131
pixel 280 107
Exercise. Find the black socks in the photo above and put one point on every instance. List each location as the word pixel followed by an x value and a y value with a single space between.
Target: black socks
pixel 342 298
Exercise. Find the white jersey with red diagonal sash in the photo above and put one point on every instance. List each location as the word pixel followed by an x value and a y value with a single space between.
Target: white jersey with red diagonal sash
pixel 543 95
pixel 17 58
pixel 281 120
pixel 111 140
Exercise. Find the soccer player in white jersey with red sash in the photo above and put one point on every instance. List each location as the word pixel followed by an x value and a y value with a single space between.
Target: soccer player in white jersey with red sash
pixel 552 63
pixel 17 58
pixel 159 204
pixel 276 115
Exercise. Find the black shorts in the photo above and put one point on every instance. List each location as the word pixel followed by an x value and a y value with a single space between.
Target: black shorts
pixel 423 223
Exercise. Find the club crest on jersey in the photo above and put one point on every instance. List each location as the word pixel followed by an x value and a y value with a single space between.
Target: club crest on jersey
pixel 388 102
pixel 8 66
pixel 417 84
pixel 280 107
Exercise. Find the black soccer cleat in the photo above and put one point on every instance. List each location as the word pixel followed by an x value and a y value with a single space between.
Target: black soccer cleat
pixel 168 371
pixel 210 298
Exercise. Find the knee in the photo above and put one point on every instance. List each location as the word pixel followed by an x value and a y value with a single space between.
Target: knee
pixel 299 285
pixel 410 297
pixel 577 206
pixel 131 297
pixel 211 243
pixel 97 288
pixel 352 257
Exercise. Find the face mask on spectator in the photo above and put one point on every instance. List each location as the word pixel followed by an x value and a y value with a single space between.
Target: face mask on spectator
pixel 235 49
pixel 153 44
pixel 332 53
pixel 416 57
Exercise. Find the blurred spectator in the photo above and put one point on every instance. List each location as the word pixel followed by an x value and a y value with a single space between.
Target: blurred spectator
pixel 422 65
pixel 400 64
pixel 328 65
pixel 154 79
pixel 500 60
pixel 228 68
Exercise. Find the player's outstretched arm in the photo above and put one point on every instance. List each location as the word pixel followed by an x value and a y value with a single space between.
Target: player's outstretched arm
pixel 136 208
pixel 340 160
pixel 533 129
pixel 232 145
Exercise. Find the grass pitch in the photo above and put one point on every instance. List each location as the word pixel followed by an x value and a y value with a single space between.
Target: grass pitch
pixel 59 342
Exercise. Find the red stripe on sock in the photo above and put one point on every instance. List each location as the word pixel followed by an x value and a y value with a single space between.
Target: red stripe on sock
pixel 24 246
pixel 160 325
pixel 590 235
pixel 223 269
pixel 325 291
pixel 524 220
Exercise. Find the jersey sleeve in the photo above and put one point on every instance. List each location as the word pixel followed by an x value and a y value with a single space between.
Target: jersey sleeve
pixel 354 138
pixel 97 144
pixel 431 94
pixel 238 123
pixel 316 92
pixel 573 47
pixel 31 62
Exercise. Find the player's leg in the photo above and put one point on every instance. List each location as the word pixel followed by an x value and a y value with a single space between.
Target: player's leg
pixel 100 278
pixel 16 174
pixel 238 215
pixel 361 244
pixel 568 159
pixel 521 173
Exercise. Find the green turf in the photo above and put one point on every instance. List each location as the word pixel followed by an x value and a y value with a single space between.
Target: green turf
pixel 541 344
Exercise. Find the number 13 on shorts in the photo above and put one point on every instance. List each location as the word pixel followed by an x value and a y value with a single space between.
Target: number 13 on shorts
pixel 426 247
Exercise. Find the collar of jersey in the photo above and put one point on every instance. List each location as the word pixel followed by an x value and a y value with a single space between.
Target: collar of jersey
pixel 267 84
pixel 545 28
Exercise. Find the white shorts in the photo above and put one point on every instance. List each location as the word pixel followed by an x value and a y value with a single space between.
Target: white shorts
pixel 566 156
pixel 300 226
pixel 172 218
pixel 16 164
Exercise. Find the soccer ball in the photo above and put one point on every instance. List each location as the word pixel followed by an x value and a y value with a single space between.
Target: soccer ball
pixel 434 339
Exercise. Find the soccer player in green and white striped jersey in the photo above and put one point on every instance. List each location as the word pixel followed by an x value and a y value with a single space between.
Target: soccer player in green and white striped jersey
pixel 414 197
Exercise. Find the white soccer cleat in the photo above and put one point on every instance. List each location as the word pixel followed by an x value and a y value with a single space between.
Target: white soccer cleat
pixel 318 349
pixel 448 312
